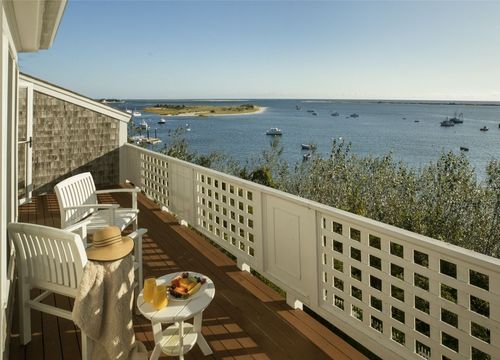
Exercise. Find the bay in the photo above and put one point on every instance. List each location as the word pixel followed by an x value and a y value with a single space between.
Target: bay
pixel 410 131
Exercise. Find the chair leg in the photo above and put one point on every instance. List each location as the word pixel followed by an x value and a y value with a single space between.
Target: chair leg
pixel 24 312
pixel 86 347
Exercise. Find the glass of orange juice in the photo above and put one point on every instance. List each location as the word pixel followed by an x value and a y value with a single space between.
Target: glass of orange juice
pixel 160 299
pixel 149 289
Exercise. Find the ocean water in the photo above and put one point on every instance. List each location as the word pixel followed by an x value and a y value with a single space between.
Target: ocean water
pixel 381 128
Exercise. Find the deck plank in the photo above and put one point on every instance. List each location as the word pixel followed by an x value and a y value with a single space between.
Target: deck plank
pixel 246 319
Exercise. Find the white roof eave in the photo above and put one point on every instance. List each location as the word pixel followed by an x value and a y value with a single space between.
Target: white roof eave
pixel 34 23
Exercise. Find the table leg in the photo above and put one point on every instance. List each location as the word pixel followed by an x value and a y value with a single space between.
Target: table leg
pixel 202 343
pixel 156 352
pixel 157 335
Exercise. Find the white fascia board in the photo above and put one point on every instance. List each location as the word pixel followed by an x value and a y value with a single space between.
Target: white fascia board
pixel 71 97
pixel 34 23
pixel 27 22
pixel 52 23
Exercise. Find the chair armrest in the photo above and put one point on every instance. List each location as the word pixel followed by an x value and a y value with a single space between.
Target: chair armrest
pixel 89 206
pixel 137 237
pixel 80 228
pixel 133 191
pixel 125 190
pixel 139 233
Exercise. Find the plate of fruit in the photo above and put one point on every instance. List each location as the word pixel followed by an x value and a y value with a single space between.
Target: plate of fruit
pixel 185 286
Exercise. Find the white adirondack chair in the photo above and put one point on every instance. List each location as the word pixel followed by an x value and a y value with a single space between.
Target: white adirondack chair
pixel 77 197
pixel 49 259
pixel 52 260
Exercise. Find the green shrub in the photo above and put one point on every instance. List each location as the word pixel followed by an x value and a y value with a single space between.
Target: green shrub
pixel 443 200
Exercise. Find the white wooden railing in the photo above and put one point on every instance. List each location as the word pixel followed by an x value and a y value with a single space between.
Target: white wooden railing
pixel 399 294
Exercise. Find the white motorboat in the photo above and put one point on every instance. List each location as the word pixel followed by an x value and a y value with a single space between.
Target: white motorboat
pixel 162 121
pixel 274 132
pixel 136 113
pixel 144 124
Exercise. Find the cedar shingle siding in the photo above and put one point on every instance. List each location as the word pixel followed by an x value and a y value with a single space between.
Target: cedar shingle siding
pixel 69 139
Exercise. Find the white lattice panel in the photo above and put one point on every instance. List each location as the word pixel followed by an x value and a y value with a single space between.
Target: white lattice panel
pixel 154 177
pixel 227 211
pixel 416 300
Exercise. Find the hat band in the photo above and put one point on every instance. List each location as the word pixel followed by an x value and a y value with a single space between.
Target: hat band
pixel 109 241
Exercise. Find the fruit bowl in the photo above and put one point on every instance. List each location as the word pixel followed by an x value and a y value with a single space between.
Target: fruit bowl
pixel 185 286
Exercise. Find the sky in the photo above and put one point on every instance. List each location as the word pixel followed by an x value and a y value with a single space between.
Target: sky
pixel 426 50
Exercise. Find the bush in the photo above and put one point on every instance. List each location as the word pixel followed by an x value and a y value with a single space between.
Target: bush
pixel 443 200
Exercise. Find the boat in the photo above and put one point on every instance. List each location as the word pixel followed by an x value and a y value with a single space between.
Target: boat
pixel 404 118
pixel 128 111
pixel 308 146
pixel 335 114
pixel 463 148
pixel 136 113
pixel 306 156
pixel 458 119
pixel 354 115
pixel 484 128
pixel 144 124
pixel 311 111
pixel 297 107
pixel 315 113
pixel 274 132
pixel 447 123
pixel 161 121
pixel 416 120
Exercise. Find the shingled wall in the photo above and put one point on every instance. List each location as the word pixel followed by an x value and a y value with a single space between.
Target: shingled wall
pixel 69 139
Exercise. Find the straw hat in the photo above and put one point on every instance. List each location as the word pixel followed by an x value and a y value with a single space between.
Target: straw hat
pixel 109 245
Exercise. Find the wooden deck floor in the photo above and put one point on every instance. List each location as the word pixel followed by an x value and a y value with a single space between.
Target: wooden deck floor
pixel 246 320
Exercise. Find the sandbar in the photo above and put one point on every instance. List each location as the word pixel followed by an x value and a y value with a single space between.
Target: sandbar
pixel 204 110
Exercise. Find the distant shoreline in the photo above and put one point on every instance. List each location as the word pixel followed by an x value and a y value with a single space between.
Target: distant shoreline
pixel 204 111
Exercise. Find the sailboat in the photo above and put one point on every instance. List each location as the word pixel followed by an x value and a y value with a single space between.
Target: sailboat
pixel 144 124
pixel 136 113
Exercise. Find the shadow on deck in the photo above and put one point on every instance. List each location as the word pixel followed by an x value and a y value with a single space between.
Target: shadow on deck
pixel 246 320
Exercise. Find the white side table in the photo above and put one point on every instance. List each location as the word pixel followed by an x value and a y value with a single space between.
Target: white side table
pixel 179 338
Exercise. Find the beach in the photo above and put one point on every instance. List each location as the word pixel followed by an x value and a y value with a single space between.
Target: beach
pixel 260 110
pixel 202 110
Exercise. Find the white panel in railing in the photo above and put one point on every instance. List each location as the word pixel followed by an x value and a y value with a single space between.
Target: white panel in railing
pixel 421 301
pixel 290 230
pixel 181 195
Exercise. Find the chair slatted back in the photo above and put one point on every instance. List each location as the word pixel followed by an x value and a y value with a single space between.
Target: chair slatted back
pixel 76 190
pixel 48 258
